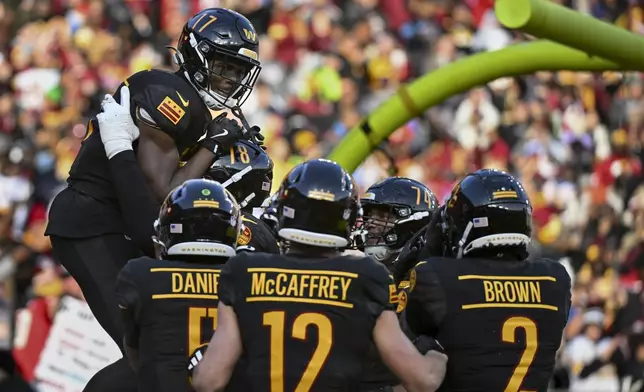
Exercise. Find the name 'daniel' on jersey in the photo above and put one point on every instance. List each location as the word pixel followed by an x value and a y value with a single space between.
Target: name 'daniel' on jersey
pixel 312 286
pixel 188 283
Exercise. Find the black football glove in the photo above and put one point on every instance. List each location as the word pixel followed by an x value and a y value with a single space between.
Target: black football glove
pixel 424 344
pixel 221 134
pixel 409 256
pixel 195 358
pixel 434 244
pixel 255 136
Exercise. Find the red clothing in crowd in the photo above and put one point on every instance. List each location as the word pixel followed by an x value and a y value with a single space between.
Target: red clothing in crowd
pixel 32 328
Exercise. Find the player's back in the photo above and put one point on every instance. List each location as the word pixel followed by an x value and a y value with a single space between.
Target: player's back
pixel 177 313
pixel 501 321
pixel 306 322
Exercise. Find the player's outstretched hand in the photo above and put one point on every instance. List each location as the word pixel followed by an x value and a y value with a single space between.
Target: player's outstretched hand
pixel 117 128
pixel 221 134
pixel 196 357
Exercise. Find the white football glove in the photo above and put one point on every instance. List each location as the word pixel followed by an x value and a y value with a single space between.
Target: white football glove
pixel 117 128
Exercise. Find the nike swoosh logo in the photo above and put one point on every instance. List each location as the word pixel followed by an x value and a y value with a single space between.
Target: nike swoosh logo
pixel 223 133
pixel 183 101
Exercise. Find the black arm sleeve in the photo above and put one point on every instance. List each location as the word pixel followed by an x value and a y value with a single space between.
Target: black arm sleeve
pixel 139 207
pixel 426 303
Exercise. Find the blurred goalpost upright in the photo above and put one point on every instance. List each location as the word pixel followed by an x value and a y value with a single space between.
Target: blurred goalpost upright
pixel 569 41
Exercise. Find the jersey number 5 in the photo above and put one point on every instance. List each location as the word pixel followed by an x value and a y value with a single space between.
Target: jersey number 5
pixel 276 322
pixel 508 335
pixel 195 330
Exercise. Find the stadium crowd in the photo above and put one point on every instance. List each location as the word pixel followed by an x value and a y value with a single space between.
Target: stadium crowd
pixel 575 140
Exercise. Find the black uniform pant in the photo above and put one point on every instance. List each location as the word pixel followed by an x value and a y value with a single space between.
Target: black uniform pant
pixel 95 263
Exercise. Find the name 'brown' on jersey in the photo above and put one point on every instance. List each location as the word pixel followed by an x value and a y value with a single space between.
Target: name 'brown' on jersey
pixel 500 321
pixel 169 309
pixel 306 322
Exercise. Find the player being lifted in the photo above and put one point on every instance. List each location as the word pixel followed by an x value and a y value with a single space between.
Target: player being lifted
pixel 169 304
pixel 499 317
pixel 306 319
pixel 104 217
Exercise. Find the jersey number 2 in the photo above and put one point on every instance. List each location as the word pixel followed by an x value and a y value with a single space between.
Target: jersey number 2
pixel 508 335
pixel 195 332
pixel 276 322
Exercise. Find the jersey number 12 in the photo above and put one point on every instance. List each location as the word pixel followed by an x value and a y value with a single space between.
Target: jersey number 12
pixel 276 321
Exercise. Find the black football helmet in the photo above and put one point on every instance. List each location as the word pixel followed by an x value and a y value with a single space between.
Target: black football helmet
pixel 317 204
pixel 487 210
pixel 198 218
pixel 218 52
pixel 246 171
pixel 394 209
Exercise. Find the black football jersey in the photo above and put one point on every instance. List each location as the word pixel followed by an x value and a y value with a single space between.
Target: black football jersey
pixel 500 321
pixel 256 236
pixel 376 374
pixel 89 206
pixel 169 310
pixel 174 106
pixel 306 322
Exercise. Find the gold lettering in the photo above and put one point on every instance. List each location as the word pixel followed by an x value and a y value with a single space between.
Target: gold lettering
pixel 522 291
pixel 270 286
pixel 305 286
pixel 346 282
pixel 177 282
pixel 203 283
pixel 510 293
pixel 279 284
pixel 535 292
pixel 498 291
pixel 292 287
pixel 334 287
pixel 314 285
pixel 489 291
pixel 190 283
pixel 258 284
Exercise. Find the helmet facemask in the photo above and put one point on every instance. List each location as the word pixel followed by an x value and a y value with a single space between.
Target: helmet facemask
pixel 225 79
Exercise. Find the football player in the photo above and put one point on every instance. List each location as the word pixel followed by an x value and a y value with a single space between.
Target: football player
pixel 499 317
pixel 169 303
pixel 305 319
pixel 394 210
pixel 105 215
pixel 247 172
